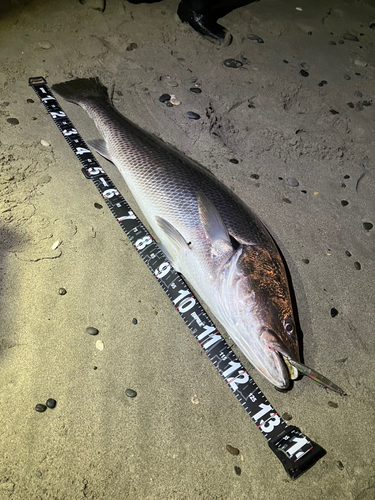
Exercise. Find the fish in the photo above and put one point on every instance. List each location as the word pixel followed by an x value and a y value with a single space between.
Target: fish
pixel 207 232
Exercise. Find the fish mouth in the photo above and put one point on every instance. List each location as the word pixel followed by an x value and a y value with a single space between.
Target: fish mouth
pixel 282 355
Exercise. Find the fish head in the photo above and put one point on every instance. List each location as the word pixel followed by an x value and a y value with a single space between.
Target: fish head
pixel 258 311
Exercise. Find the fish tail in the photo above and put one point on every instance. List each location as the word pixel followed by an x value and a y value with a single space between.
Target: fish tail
pixel 80 90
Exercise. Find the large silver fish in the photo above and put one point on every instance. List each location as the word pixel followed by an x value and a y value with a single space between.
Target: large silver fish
pixel 210 236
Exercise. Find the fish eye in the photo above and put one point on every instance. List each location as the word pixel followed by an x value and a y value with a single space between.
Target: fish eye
pixel 289 327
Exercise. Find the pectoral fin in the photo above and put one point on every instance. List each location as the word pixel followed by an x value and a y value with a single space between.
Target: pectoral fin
pixel 213 225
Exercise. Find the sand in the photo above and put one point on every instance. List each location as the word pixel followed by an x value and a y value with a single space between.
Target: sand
pixel 170 441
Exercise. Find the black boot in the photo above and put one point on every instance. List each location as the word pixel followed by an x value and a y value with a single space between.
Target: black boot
pixel 202 22
pixel 202 15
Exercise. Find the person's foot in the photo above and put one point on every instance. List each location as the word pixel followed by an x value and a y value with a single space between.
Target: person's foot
pixel 204 24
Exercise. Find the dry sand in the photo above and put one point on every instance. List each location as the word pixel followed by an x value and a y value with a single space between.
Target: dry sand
pixel 97 443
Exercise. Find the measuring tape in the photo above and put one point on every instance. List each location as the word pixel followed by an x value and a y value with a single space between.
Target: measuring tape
pixel 296 452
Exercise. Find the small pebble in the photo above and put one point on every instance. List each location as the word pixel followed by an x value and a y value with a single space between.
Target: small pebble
pixel 315 193
pixel 193 79
pixel 99 345
pixel 192 115
pixel 251 105
pixel 367 226
pixel 237 470
pixel 164 98
pixel 62 291
pixel 332 404
pixel 357 265
pixel 340 465
pixel 303 191
pixel 40 408
pixel 372 26
pixel 95 368
pixel 286 416
pixel 346 176
pixel 357 93
pixel 175 101
pixel 169 104
pixel 358 106
pixel 343 185
pixel 51 403
pixel 234 161
pixel 92 331
pixel 45 45
pixel 304 73
pixel 347 77
pixel 195 399
pixel 130 393
pixel 286 200
pixel 360 63
pixel 347 253
pixel 344 203
pixel 331 42
pixel 366 103
pixel 232 63
pixel 333 112
pixel 13 121
pixel 334 312
pixel 29 101
pixel 254 176
pixel 196 90
pixel 56 245
pixel 172 83
pixel 322 83
pixel 304 65
pixel 5 104
pixel 132 46
pixel 292 182
pixel 98 206
pixel 351 105
pixel 306 261
pixel 256 38
pixel 341 42
pixel 350 37
pixel 285 61
pixel 232 450
pixel 44 143
pixel 134 321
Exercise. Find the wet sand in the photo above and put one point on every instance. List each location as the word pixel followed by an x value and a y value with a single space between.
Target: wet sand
pixel 170 441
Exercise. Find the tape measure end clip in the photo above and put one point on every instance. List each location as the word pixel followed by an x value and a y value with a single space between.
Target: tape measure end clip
pixel 37 80
pixel 295 451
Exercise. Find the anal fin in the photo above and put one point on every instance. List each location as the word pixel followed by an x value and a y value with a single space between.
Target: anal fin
pixel 100 146
pixel 174 244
